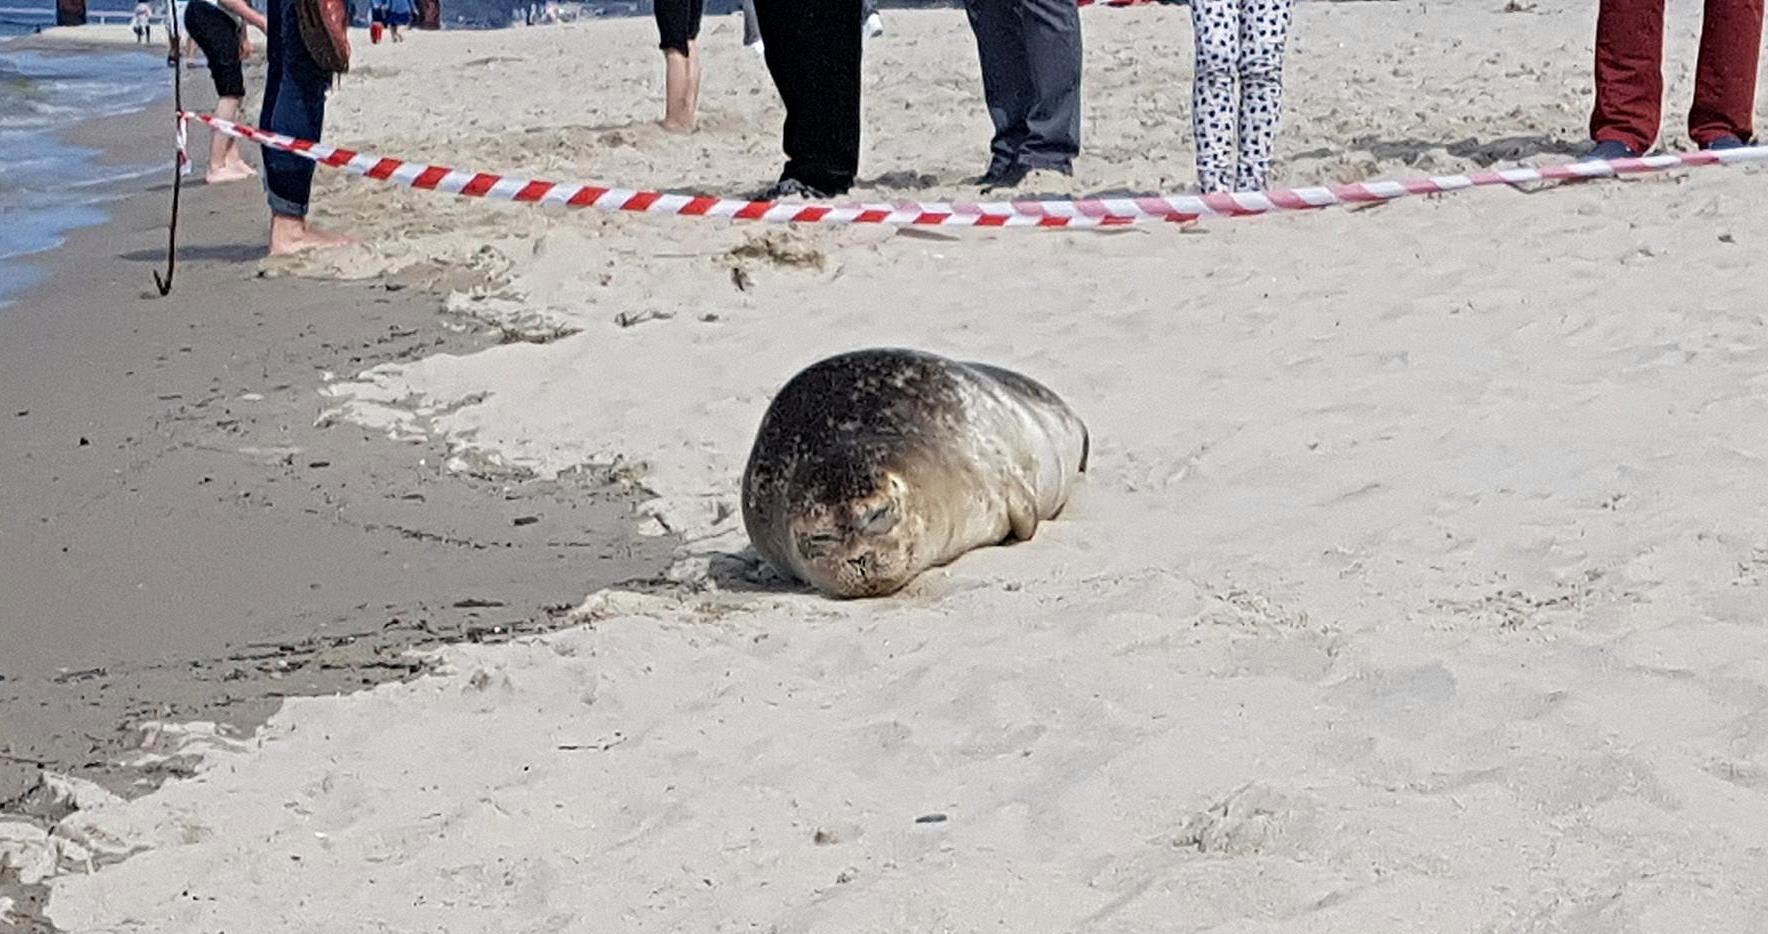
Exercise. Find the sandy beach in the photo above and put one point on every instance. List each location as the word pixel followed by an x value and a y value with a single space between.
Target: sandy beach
pixel 1418 584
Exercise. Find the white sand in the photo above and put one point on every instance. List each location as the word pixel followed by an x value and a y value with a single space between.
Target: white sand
pixel 1419 584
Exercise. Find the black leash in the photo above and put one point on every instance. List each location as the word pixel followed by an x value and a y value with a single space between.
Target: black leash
pixel 177 57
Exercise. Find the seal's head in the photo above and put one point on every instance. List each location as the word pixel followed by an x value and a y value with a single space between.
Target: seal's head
pixel 853 536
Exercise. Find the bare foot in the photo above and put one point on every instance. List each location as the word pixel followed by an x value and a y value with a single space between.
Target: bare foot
pixel 293 235
pixel 241 165
pixel 228 173
pixel 674 126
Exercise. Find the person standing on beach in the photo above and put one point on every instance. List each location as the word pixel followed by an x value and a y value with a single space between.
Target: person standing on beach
pixel 1630 78
pixel 219 29
pixel 813 50
pixel 294 105
pixel 678 26
pixel 1031 72
pixel 1237 95
pixel 398 14
pixel 874 25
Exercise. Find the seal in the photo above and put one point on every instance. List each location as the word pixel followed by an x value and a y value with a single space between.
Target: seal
pixel 872 466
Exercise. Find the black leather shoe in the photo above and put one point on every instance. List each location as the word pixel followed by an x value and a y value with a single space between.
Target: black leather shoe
pixel 1007 176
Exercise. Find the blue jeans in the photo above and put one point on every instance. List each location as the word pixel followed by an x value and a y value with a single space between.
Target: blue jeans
pixel 294 105
pixel 1031 79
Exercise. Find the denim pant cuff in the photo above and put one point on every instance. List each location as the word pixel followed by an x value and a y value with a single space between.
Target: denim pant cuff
pixel 281 205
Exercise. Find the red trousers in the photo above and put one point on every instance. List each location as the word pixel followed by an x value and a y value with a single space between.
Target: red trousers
pixel 1630 78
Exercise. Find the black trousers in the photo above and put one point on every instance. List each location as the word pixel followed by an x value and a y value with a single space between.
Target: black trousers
pixel 813 53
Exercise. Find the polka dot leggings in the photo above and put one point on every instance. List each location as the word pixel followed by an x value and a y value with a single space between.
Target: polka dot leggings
pixel 1238 91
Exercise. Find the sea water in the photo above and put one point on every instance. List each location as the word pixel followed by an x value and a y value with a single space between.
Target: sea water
pixel 48 187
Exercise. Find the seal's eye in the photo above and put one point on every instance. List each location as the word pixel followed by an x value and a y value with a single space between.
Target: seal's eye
pixel 879 520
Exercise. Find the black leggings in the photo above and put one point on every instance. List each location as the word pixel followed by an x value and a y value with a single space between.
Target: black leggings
pixel 217 34
pixel 678 23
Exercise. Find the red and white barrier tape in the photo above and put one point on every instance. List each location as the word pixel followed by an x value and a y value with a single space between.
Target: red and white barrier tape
pixel 1083 212
pixel 183 144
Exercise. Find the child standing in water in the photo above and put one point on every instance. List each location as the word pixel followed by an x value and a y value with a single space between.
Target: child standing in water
pixel 1238 93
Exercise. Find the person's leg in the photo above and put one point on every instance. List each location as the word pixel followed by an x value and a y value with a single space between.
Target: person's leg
pixel 226 154
pixel 694 74
pixel 1725 80
pixel 671 17
pixel 1000 45
pixel 1051 30
pixel 678 106
pixel 696 12
pixel 1264 31
pixel 676 30
pixel 751 28
pixel 1629 72
pixel 813 50
pixel 1214 105
pixel 217 34
pixel 294 105
pixel 272 64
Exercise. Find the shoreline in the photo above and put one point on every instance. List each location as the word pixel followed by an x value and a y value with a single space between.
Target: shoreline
pixel 149 444
pixel 78 196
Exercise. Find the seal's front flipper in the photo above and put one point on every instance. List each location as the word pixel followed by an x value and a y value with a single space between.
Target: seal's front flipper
pixel 1021 514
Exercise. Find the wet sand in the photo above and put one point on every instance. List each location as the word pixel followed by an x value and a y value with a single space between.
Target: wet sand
pixel 183 537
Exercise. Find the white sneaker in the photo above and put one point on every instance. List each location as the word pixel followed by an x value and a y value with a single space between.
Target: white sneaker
pixel 874 26
pixel 757 49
